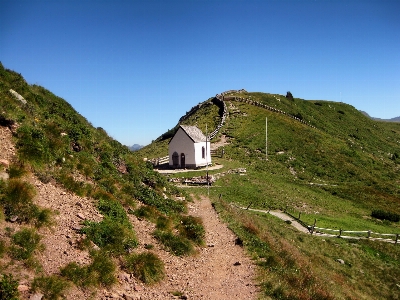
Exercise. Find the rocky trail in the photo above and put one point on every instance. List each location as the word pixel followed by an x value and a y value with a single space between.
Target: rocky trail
pixel 220 270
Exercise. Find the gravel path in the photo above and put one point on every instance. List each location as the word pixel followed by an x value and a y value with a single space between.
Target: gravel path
pixel 221 270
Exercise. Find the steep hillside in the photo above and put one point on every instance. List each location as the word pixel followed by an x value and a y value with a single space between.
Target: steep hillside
pixel 83 217
pixel 326 161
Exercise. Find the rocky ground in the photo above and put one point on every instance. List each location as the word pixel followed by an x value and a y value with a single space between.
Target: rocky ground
pixel 220 270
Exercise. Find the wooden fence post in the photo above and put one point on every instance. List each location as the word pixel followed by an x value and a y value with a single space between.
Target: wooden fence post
pixel 369 233
pixel 313 227
pixel 397 238
pixel 340 232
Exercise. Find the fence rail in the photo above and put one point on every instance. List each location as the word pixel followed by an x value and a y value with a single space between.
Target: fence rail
pixel 364 233
pixel 350 233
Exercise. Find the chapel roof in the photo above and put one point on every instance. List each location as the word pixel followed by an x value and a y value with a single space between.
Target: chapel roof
pixel 194 133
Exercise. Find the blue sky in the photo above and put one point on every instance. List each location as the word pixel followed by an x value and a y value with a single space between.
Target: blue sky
pixel 135 67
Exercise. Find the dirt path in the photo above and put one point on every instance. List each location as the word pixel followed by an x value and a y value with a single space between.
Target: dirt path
pixel 281 215
pixel 221 270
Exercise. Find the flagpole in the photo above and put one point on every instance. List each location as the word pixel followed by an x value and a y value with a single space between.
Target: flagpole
pixel 266 138
pixel 208 185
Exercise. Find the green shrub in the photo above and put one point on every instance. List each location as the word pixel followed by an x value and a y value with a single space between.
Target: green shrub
pixel 32 145
pixel 52 287
pixel 110 235
pixel 149 196
pixel 148 212
pixel 25 242
pixel 80 188
pixel 43 217
pixel 114 210
pixel 8 287
pixel 385 215
pixel 100 272
pixel 146 267
pixel 192 228
pixel 2 248
pixel 164 223
pixel 77 274
pixel 16 170
pixel 102 269
pixel 176 244
pixel 17 200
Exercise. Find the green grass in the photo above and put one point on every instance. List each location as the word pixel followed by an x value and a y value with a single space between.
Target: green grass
pixel 338 174
pixel 175 244
pixel 101 271
pixel 8 287
pixel 52 287
pixel 147 267
pixel 24 243
pixel 192 228
pixel 110 235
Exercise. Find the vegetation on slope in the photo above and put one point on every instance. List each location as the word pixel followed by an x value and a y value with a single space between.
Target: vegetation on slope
pixel 339 174
pixel 58 145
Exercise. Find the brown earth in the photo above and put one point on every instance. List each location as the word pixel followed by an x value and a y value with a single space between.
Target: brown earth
pixel 220 270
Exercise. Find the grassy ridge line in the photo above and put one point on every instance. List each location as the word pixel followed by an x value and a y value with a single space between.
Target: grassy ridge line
pixel 337 174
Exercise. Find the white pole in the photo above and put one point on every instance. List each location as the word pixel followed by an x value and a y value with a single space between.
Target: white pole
pixel 266 138
pixel 208 186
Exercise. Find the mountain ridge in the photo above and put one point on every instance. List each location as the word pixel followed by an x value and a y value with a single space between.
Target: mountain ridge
pixel 395 119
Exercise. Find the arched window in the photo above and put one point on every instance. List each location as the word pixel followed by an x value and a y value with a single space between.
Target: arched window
pixel 203 152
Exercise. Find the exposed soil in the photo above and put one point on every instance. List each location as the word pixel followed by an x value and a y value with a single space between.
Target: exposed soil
pixel 220 270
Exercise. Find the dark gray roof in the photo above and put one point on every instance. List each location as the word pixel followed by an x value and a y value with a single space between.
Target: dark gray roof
pixel 194 133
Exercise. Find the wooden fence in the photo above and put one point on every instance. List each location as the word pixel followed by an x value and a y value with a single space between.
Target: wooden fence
pixel 340 232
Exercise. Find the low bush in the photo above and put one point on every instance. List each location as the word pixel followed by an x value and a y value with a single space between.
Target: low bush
pixel 102 269
pixel 148 212
pixel 16 170
pixel 2 248
pixel 175 244
pixel 114 211
pixel 385 215
pixel 149 196
pixel 146 267
pixel 164 223
pixel 25 242
pixel 8 287
pixel 100 272
pixel 110 236
pixel 192 228
pixel 17 201
pixel 77 274
pixel 52 287
pixel 32 145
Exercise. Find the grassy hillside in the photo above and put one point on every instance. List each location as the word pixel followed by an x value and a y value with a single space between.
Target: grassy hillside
pixel 58 145
pixel 337 173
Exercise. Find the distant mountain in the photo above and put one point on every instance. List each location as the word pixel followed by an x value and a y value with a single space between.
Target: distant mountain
pixel 135 147
pixel 396 119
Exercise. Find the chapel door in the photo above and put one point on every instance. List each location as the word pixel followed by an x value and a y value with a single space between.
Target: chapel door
pixel 175 160
pixel 183 164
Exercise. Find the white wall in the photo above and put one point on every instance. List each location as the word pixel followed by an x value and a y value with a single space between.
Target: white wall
pixel 199 160
pixel 181 143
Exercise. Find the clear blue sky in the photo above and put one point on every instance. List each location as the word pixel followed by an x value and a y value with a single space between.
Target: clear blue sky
pixel 135 67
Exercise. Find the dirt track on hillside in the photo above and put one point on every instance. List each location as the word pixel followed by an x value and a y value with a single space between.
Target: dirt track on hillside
pixel 220 270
